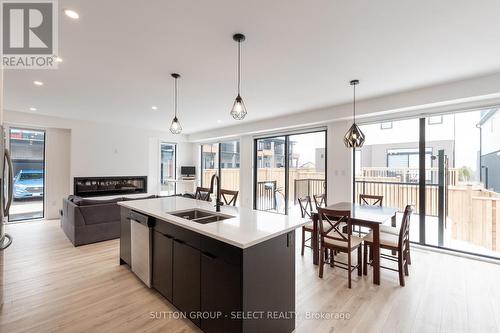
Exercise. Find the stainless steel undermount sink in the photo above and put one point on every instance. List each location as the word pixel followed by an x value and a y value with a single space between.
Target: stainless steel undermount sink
pixel 200 216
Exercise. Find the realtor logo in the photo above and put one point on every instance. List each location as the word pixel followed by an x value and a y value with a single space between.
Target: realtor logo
pixel 29 34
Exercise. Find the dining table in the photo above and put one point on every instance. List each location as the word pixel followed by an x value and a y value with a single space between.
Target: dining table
pixel 369 216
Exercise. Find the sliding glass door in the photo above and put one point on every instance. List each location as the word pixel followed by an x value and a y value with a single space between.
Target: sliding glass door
pixel 209 162
pixel 448 167
pixel 466 180
pixel 307 165
pixel 288 167
pixel 388 165
pixel 223 159
pixel 27 149
pixel 167 168
pixel 270 166
pixel 230 165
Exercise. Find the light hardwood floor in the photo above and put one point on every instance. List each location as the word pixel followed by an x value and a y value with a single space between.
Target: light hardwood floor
pixel 50 286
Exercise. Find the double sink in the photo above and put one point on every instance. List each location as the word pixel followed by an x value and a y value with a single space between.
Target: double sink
pixel 201 216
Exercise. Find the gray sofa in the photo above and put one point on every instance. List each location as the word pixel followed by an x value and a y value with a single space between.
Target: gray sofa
pixel 86 221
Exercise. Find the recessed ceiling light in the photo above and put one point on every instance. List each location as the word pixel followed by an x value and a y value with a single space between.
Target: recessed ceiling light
pixel 59 59
pixel 219 121
pixel 38 83
pixel 32 109
pixel 154 108
pixel 71 14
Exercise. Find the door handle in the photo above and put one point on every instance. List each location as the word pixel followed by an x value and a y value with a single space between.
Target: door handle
pixel 168 236
pixel 10 180
pixel 179 241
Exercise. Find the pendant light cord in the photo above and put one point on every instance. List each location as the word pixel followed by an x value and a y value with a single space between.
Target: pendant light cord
pixel 239 72
pixel 354 106
pixel 175 98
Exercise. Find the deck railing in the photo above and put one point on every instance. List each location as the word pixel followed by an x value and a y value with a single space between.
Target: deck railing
pixel 398 195
pixel 266 195
pixel 310 187
pixel 405 175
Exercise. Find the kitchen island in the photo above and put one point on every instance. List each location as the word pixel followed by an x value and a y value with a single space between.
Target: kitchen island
pixel 232 271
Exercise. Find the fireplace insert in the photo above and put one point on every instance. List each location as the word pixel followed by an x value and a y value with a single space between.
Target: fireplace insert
pixel 101 186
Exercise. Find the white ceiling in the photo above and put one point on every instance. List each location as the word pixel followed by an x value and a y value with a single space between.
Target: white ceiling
pixel 299 55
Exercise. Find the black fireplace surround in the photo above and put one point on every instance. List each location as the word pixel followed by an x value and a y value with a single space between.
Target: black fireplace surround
pixel 106 186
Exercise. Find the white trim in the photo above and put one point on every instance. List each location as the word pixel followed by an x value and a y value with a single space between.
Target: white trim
pixel 305 130
pixel 456 254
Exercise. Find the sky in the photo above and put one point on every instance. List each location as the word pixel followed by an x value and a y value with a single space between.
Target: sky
pixel 306 144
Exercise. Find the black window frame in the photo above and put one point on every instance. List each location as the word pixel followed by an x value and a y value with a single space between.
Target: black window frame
pixel 422 152
pixel 219 147
pixel 287 162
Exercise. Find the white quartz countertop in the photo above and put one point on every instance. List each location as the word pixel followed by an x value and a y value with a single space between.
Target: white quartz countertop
pixel 247 228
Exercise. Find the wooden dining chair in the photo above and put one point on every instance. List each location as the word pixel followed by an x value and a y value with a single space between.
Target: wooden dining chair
pixel 333 239
pixel 202 193
pixel 229 197
pixel 306 212
pixel 373 200
pixel 398 243
pixel 395 231
pixel 319 200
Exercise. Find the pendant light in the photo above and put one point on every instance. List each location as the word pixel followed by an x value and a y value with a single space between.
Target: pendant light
pixel 239 111
pixel 175 127
pixel 354 138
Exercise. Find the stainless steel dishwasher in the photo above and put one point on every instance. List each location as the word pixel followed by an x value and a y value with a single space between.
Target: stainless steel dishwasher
pixel 140 245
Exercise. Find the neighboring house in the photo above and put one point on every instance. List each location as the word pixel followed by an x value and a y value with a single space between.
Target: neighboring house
pixel 490 149
pixel 229 155
pixel 27 150
pixel 392 148
pixel 271 153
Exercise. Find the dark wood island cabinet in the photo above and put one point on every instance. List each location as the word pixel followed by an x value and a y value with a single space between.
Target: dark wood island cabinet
pixel 218 286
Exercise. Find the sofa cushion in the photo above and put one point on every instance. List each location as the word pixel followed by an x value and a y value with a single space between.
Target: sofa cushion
pixel 141 198
pixel 91 202
pixel 95 214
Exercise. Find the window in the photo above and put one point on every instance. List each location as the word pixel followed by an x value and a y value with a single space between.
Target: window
pixel 27 149
pixel 434 120
pixel 223 159
pixel 407 158
pixel 167 168
pixel 386 125
pixel 209 162
pixel 288 167
pixel 453 191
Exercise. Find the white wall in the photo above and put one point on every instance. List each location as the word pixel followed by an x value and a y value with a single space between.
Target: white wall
pixel 339 164
pixel 246 171
pixel 97 149
pixel 57 165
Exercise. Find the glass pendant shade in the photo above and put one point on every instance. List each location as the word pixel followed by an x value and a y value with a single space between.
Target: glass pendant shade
pixel 354 138
pixel 239 111
pixel 175 127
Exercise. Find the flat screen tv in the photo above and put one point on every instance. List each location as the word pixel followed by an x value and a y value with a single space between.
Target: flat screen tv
pixel 188 171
